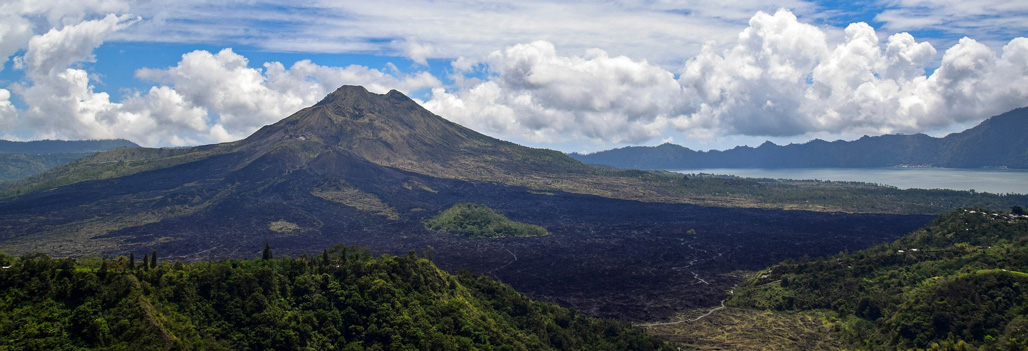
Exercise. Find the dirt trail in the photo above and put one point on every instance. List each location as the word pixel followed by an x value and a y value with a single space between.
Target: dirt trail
pixel 508 263
pixel 657 324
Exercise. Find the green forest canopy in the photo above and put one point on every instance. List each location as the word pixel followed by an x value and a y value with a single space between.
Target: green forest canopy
pixel 341 300
pixel 958 283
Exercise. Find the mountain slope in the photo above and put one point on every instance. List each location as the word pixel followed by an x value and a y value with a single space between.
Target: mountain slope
pixel 342 299
pixel 999 141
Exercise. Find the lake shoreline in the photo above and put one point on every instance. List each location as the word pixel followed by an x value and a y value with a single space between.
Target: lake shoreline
pixel 991 180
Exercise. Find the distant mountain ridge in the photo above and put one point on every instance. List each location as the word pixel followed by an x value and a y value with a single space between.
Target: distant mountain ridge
pixel 63 146
pixel 998 142
pixel 20 159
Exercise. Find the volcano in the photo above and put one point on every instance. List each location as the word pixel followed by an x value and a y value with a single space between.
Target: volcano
pixel 367 169
pixel 338 165
pixel 394 131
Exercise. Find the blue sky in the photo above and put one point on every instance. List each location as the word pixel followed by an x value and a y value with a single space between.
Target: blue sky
pixel 565 75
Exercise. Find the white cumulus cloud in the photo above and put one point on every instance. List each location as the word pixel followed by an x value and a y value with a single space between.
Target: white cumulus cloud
pixel 226 86
pixel 163 117
pixel 973 80
pixel 757 86
pixel 57 49
pixel 15 32
pixel 21 20
pixel 534 93
pixel 7 111
pixel 61 100
pixel 783 79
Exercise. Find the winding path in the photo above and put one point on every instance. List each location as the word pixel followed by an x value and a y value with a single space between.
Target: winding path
pixel 715 309
pixel 508 263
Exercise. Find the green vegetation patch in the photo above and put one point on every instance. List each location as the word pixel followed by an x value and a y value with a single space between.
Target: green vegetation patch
pixel 478 221
pixel 284 227
pixel 344 299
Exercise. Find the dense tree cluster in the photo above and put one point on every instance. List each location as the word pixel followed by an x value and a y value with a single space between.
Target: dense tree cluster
pixel 479 221
pixel 957 284
pixel 343 299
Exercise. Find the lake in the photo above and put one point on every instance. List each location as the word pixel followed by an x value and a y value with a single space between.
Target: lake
pixel 1000 181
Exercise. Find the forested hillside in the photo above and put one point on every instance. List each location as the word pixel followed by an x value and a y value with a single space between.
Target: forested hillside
pixel 17 166
pixel 959 283
pixel 343 299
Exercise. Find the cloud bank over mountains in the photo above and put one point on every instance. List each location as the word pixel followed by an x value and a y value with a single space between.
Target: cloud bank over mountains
pixel 781 77
pixel 778 77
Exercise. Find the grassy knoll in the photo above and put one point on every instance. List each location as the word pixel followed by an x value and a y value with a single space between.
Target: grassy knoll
pixel 479 221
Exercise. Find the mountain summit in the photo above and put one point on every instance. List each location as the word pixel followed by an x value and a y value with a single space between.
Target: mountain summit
pixel 392 130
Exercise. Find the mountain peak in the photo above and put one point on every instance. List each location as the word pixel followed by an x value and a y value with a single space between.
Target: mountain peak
pixel 392 130
pixel 344 93
pixel 349 94
pixel 354 118
pixel 397 95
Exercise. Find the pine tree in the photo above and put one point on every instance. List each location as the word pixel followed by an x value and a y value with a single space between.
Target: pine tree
pixel 153 259
pixel 132 260
pixel 102 273
pixel 146 261
pixel 267 252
